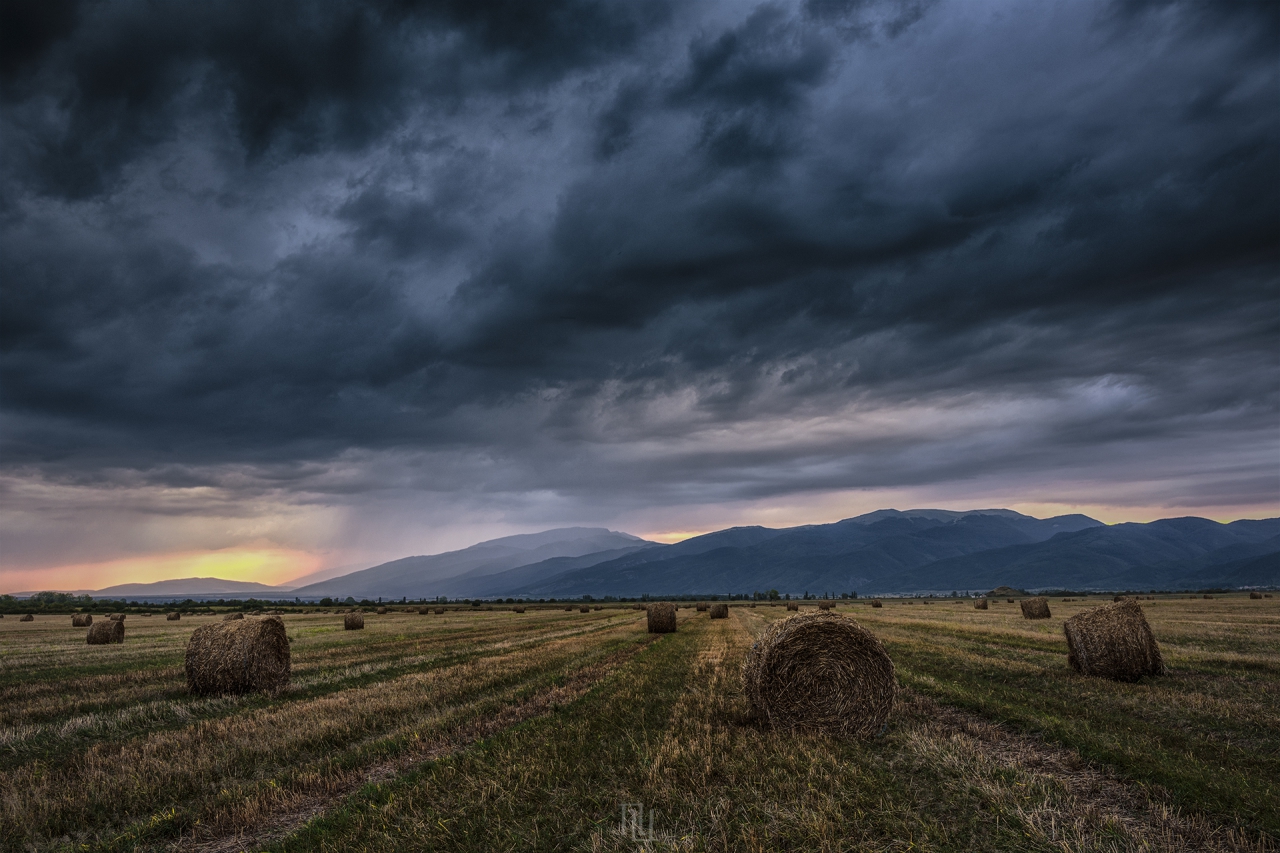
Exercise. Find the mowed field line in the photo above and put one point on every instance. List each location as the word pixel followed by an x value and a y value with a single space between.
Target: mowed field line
pixel 227 772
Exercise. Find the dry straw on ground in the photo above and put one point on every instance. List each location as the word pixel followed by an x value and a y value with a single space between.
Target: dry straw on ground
pixel 27 618
pixel 353 621
pixel 979 604
pixel 81 620
pixel 662 618
pixel 105 632
pixel 793 607
pixel 243 656
pixel 232 617
pixel 1113 641
pixel 1035 608
pixel 820 672
pixel 720 611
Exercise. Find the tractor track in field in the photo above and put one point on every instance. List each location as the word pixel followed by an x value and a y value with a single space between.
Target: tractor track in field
pixel 304 809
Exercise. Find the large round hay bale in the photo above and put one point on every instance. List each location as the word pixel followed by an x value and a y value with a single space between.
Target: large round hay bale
pixel 793 607
pixel 439 611
pixel 27 618
pixel 1035 608
pixel 105 632
pixel 382 611
pixel 241 656
pixel 824 605
pixel 81 620
pixel 720 611
pixel 173 617
pixel 877 603
pixel 662 618
pixel 116 617
pixel 821 672
pixel 701 607
pixel 979 604
pixel 1113 641
pixel 232 617
pixel 353 621
pixel 1256 595
pixel 423 611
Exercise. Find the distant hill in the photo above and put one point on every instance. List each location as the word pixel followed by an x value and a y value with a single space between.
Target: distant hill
pixel 191 588
pixel 418 577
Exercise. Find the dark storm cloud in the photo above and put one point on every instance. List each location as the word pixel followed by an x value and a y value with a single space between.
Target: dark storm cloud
pixel 266 234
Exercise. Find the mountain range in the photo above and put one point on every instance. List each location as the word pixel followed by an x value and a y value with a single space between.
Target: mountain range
pixel 883 552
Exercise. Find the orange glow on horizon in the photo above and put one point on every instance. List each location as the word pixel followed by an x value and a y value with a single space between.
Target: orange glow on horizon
pixel 671 537
pixel 262 565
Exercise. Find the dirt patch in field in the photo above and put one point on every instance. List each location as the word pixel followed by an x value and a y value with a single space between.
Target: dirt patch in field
pixel 1075 806
pixel 459 737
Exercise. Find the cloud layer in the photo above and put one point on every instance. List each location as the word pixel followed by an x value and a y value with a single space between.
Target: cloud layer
pixel 536 262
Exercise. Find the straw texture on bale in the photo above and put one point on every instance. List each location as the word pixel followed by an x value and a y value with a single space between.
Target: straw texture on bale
pixel 174 616
pixel 1035 608
pixel 1255 595
pixel 116 617
pixel 662 618
pixel 243 656
pixel 27 618
pixel 106 632
pixel 423 611
pixel 584 609
pixel 793 607
pixel 517 610
pixel 232 617
pixel 1113 641
pixel 382 611
pixel 720 611
pixel 1009 600
pixel 821 672
pixel 353 621
pixel 826 605
pixel 979 604
pixel 876 604
pixel 702 607
pixel 439 611
pixel 81 620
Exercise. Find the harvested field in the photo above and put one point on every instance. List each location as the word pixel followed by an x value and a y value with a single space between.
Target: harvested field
pixel 995 743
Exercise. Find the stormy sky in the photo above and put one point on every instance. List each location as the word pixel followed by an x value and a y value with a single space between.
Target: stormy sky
pixel 340 282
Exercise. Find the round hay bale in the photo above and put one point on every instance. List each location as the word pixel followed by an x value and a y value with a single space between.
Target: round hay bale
pixel 979 604
pixel 27 618
pixel 569 609
pixel 173 617
pixel 423 611
pixel 439 611
pixel 382 611
pixel 597 607
pixel 1209 596
pixel 116 617
pixel 701 607
pixel 793 607
pixel 1113 641
pixel 1256 596
pixel 1009 600
pixel 824 605
pixel 232 617
pixel 1035 608
pixel 720 611
pixel 820 672
pixel 241 656
pixel 353 622
pixel 104 633
pixel 877 603
pixel 517 610
pixel 81 620
pixel 146 614
pixel 584 609
pixel 753 604
pixel 662 618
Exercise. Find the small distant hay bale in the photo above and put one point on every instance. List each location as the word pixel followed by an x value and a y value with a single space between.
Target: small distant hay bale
pixel 1009 600
pixel 353 621
pixel 584 609
pixel 824 605
pixel 1209 596
pixel 232 617
pixel 1115 598
pixel 1257 596
pixel 1266 595
pixel 662 618
pixel 173 617
pixel 1035 608
pixel 517 610
pixel 793 607
pixel 243 656
pixel 27 618
pixel 81 620
pixel 116 617
pixel 105 633
pixel 382 611
pixel 146 614
pixel 820 672
pixel 439 611
pixel 720 610
pixel 877 603
pixel 597 607
pixel 752 605
pixel 979 604
pixel 423 611
pixel 1113 641
pixel 702 607
pixel 639 607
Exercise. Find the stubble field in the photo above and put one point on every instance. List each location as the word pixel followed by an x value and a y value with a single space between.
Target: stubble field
pixel 547 730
